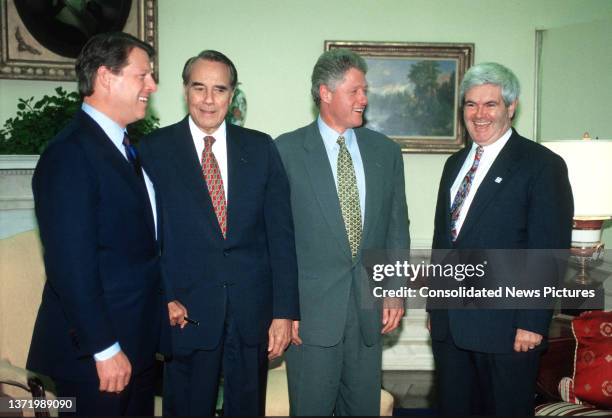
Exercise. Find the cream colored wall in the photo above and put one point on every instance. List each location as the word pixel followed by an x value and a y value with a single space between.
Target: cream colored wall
pixel 274 44
pixel 575 92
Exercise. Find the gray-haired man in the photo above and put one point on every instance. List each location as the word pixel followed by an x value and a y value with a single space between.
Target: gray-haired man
pixel 516 195
pixel 347 196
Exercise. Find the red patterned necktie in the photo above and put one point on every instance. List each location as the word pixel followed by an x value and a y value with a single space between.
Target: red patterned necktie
pixel 462 193
pixel 214 181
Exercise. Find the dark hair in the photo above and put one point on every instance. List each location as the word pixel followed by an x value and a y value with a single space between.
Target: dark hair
pixel 109 50
pixel 211 55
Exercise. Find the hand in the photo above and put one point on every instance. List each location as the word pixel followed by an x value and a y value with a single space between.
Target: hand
pixel 177 313
pixel 279 336
pixel 526 340
pixel 295 335
pixel 391 318
pixel 114 373
pixel 429 324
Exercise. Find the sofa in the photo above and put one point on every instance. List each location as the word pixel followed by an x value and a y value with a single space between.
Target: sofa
pixel 557 375
pixel 22 277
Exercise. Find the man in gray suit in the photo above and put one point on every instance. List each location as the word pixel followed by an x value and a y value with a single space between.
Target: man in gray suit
pixel 347 196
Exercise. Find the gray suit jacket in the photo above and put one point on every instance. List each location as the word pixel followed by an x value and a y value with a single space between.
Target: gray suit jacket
pixel 326 268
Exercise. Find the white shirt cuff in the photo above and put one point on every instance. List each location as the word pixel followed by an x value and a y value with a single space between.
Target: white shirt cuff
pixel 108 353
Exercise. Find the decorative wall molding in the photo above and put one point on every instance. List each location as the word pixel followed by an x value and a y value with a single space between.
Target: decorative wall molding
pixel 12 162
pixel 15 181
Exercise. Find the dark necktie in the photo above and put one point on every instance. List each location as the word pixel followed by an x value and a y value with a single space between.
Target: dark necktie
pixel 132 156
pixel 214 182
pixel 462 193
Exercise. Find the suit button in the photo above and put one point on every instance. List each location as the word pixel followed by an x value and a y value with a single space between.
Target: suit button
pixel 226 253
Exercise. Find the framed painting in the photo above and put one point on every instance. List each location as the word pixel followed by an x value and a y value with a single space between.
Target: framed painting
pixel 40 39
pixel 413 92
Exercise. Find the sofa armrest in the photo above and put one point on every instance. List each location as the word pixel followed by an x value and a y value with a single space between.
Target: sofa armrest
pixel 558 359
pixel 21 383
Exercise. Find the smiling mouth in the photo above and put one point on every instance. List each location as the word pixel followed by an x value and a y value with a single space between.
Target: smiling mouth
pixel 143 99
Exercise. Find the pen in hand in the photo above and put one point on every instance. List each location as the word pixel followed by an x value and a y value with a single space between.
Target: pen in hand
pixel 192 321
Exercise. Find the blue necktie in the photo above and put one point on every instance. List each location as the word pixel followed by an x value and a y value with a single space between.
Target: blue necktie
pixel 132 155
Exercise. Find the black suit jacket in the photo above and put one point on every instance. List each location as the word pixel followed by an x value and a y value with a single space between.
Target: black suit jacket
pixel 101 256
pixel 254 268
pixel 531 207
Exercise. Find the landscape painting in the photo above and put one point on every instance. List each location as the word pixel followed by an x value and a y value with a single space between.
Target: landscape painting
pixel 413 92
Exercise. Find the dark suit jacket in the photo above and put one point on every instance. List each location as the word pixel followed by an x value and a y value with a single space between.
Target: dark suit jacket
pixel 530 208
pixel 327 271
pixel 101 256
pixel 255 265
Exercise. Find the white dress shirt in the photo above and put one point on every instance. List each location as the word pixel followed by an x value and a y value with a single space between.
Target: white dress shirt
pixel 219 148
pixel 330 138
pixel 489 154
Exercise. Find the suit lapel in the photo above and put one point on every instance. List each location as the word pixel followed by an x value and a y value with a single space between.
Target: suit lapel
pixel 189 169
pixel 236 164
pixel 502 168
pixel 109 153
pixel 373 171
pixel 322 180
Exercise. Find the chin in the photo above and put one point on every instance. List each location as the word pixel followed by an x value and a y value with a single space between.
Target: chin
pixel 357 123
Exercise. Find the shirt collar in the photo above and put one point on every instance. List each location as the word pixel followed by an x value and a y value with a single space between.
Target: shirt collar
pixel 330 136
pixel 109 126
pixel 197 133
pixel 495 147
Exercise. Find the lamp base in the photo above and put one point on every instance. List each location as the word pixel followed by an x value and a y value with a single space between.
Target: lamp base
pixel 586 246
pixel 586 256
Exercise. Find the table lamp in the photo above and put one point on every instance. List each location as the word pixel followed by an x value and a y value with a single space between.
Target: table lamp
pixel 589 165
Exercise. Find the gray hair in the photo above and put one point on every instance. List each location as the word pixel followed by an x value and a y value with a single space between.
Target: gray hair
pixel 215 56
pixel 492 73
pixel 331 67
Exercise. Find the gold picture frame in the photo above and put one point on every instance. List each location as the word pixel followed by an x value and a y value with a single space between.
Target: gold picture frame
pixel 413 92
pixel 41 41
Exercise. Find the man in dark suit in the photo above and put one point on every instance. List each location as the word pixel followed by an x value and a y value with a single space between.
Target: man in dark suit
pixel 502 192
pixel 347 197
pixel 97 327
pixel 229 254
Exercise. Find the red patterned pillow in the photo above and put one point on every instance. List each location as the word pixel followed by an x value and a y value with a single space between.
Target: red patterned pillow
pixel 593 360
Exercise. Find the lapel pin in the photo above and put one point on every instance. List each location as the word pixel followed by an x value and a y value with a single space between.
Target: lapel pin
pixel 498 180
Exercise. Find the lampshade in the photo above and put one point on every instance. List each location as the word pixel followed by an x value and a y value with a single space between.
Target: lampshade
pixel 589 164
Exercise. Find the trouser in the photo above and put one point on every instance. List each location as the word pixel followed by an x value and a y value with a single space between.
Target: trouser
pixel 344 379
pixel 493 384
pixel 191 382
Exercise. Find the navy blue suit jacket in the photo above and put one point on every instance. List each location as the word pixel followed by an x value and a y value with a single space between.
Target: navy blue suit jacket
pixel 101 256
pixel 530 208
pixel 254 268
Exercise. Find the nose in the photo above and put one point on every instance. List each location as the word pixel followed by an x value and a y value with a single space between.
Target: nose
pixel 208 96
pixel 479 111
pixel 363 98
pixel 151 84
